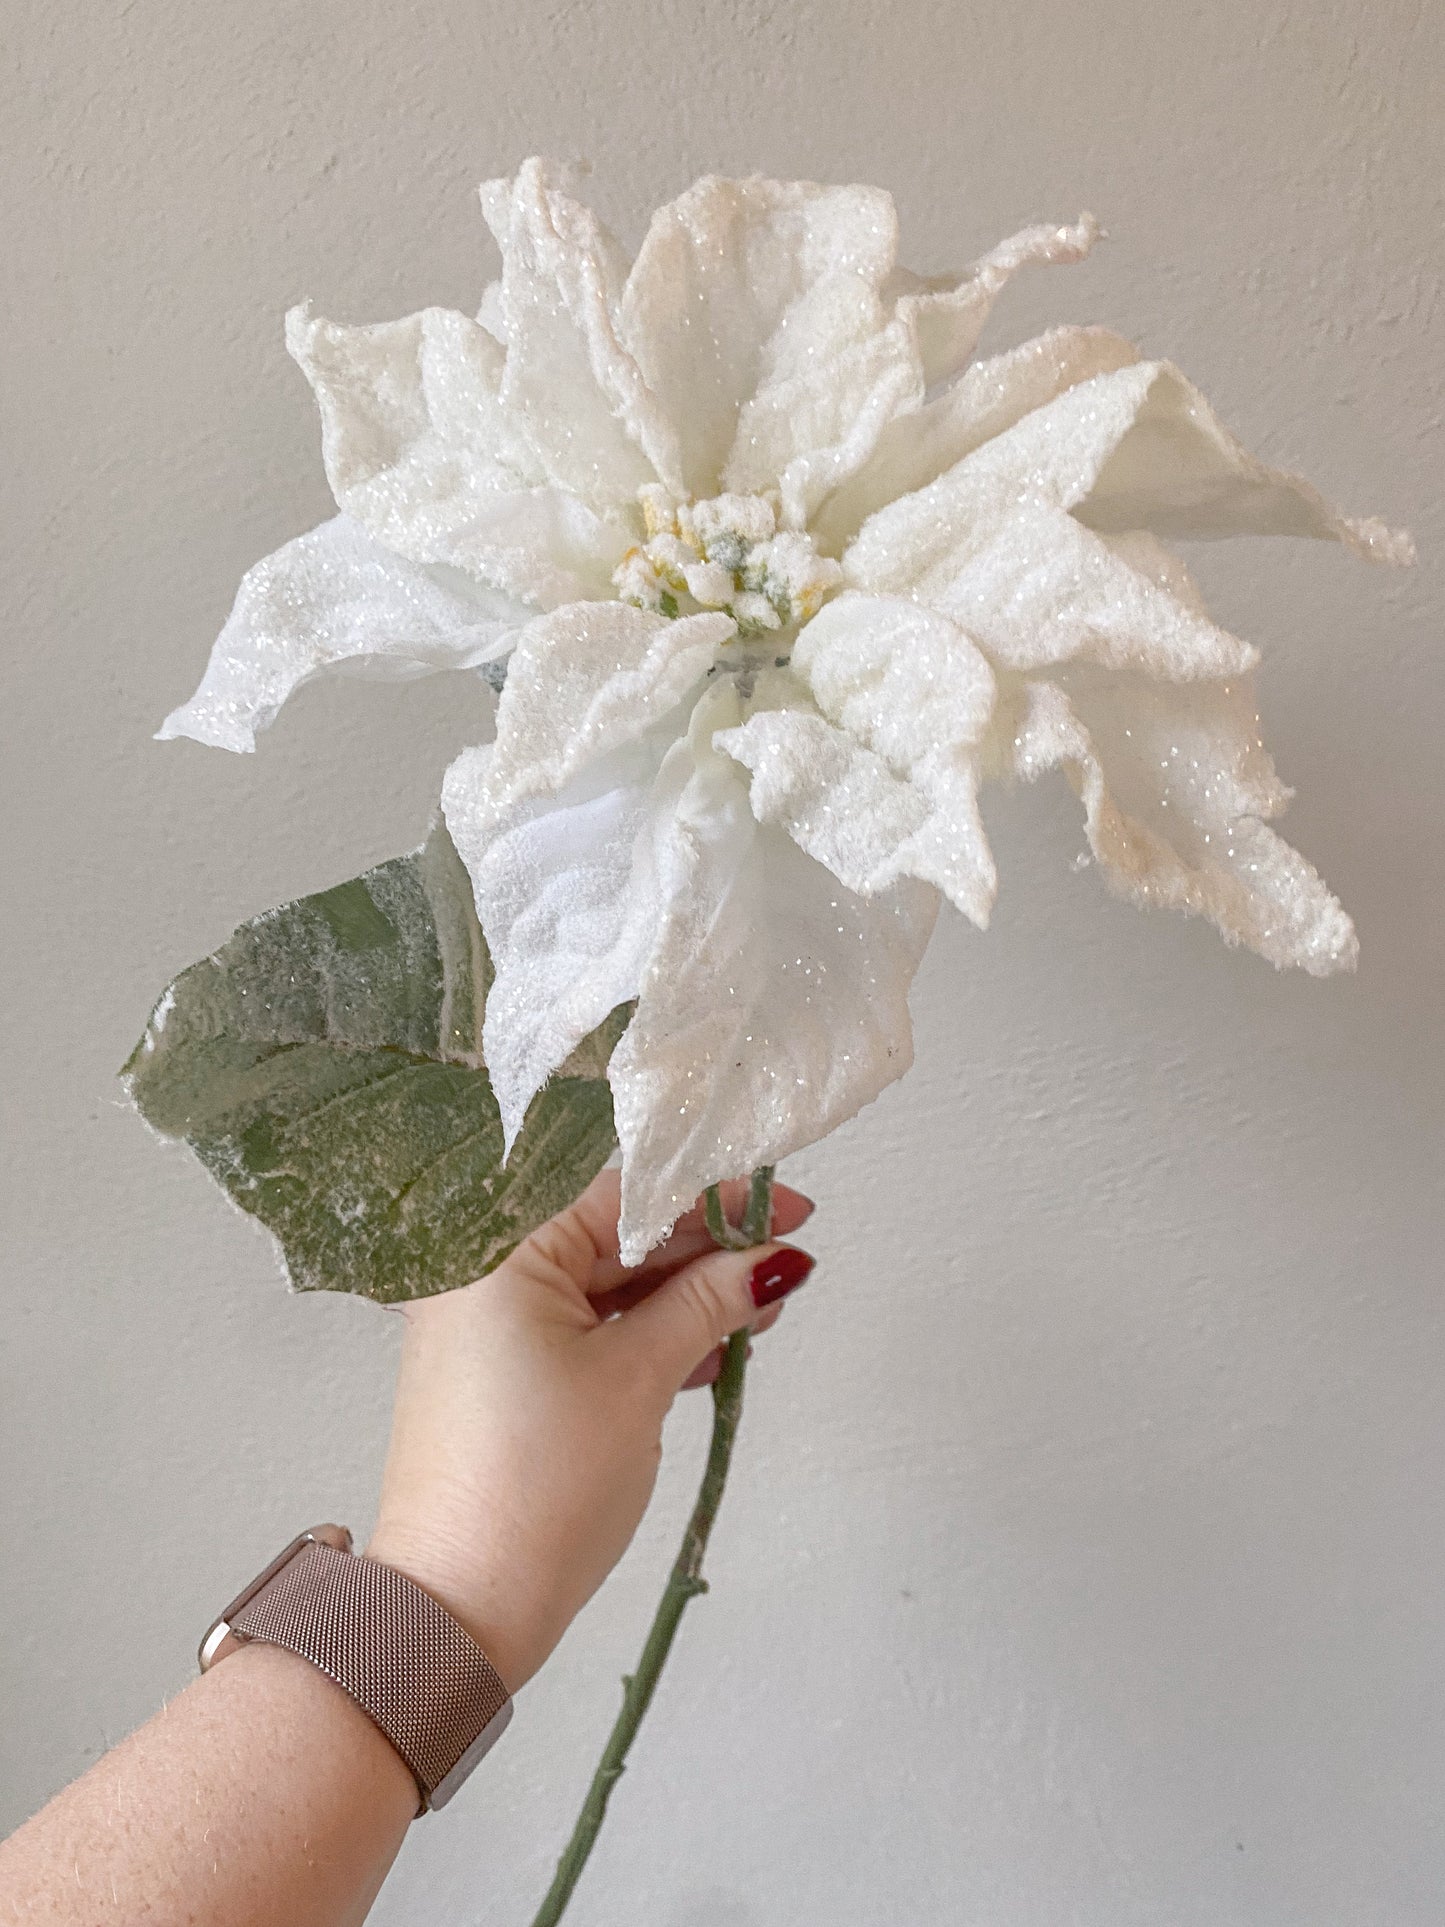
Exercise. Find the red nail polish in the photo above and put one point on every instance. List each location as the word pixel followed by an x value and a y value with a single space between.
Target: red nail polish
pixel 778 1274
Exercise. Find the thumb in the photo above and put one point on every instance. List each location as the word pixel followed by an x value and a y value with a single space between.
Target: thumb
pixel 705 1302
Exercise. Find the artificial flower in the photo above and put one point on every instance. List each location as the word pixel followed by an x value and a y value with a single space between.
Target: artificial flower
pixel 782 575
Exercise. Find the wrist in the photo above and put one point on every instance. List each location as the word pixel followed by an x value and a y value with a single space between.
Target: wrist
pixel 470 1587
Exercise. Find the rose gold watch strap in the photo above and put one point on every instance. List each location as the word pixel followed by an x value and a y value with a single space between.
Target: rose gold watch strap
pixel 402 1657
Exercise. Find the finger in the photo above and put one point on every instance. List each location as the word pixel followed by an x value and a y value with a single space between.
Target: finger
pixel 705 1373
pixel 587 1229
pixel 701 1305
pixel 642 1285
pixel 689 1239
pixel 709 1372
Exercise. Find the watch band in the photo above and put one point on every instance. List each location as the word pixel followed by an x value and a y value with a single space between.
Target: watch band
pixel 407 1663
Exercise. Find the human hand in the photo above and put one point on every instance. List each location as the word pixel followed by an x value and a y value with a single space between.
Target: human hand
pixel 527 1428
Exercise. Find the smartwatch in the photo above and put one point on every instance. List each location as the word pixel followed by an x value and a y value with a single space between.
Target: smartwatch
pixel 407 1663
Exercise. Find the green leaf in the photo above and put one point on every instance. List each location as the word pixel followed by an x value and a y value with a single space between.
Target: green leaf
pixel 325 1066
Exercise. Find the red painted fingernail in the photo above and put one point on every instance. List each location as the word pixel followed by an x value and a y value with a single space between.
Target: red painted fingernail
pixel 778 1274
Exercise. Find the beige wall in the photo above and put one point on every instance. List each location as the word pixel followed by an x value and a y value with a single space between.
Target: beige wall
pixel 1086 1558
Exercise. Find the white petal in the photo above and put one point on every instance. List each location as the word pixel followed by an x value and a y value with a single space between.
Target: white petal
pixel 1032 586
pixel 901 678
pixel 584 681
pixel 489 311
pixel 421 449
pixel 909 685
pixel 600 431
pixel 993 543
pixel 988 397
pixel 846 808
pixel 1160 459
pixel 568 900
pixel 335 596
pixel 1147 556
pixel 807 432
pixel 1176 786
pixel 948 312
pixel 1140 448
pixel 774 1006
pixel 743 284
pixel 427 383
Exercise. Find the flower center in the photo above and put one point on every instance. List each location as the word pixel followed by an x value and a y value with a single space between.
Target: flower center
pixel 725 553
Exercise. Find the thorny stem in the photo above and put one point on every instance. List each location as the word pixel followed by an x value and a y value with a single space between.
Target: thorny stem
pixel 685 1581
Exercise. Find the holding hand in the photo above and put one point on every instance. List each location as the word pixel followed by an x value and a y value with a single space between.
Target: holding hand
pixel 528 1420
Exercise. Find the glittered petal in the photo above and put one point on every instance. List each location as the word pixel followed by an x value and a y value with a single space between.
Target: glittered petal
pixel 329 598
pixel 774 1006
pixel 989 397
pixel 1140 448
pixel 852 371
pixel 807 430
pixel 1177 787
pixel 910 686
pixel 1162 460
pixel 843 805
pixel 419 391
pixel 489 311
pixel 900 677
pixel 1032 586
pixel 738 285
pixel 568 900
pixel 992 541
pixel 420 449
pixel 600 431
pixel 583 681
pixel 948 312
pixel 1148 556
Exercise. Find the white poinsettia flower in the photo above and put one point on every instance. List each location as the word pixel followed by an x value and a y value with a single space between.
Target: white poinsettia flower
pixel 784 575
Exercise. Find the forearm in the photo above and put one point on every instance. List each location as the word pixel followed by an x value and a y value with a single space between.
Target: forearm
pixel 260 1797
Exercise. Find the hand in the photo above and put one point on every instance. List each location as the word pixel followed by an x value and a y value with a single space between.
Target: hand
pixel 528 1421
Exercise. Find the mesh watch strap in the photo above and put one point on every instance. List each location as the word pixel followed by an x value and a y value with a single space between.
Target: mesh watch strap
pixel 405 1661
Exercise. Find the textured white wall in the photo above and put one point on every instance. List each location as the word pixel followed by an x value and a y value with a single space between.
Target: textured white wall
pixel 1085 1562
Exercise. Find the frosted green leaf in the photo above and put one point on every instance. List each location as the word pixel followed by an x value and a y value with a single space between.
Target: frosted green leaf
pixel 324 1065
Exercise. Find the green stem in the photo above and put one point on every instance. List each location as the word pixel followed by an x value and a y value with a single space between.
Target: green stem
pixel 685 1581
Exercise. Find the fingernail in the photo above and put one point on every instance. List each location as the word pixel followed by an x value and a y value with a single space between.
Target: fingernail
pixel 778 1274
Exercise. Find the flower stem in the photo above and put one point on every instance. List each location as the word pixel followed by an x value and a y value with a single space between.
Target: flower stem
pixel 685 1581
